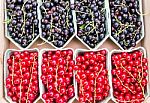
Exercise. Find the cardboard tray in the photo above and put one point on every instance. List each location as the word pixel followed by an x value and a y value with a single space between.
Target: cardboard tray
pixel 74 44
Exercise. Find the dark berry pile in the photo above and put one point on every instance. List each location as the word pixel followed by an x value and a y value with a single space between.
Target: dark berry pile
pixel 57 21
pixel 92 76
pixel 90 21
pixel 22 81
pixel 22 21
pixel 129 76
pixel 57 76
pixel 126 23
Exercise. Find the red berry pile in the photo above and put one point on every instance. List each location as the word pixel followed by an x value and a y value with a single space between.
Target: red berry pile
pixel 92 76
pixel 129 72
pixel 22 80
pixel 57 76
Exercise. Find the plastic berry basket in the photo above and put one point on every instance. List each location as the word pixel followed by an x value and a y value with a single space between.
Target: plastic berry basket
pixel 77 51
pixel 42 88
pixel 6 56
pixel 142 31
pixel 7 34
pixel 107 25
pixel 128 51
pixel 69 40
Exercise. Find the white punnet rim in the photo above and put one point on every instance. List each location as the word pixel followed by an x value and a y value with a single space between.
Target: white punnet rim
pixel 40 72
pixel 77 51
pixel 120 51
pixel 6 56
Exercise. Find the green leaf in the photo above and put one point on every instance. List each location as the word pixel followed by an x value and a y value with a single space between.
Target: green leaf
pixel 82 26
pixel 7 21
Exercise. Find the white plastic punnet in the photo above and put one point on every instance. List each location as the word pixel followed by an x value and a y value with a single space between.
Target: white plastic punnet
pixel 6 71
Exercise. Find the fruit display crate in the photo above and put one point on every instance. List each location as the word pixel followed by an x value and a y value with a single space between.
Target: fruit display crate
pixel 74 44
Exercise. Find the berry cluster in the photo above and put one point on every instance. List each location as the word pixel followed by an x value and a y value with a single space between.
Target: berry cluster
pixel 22 21
pixel 126 23
pixel 90 21
pixel 22 80
pixel 129 72
pixel 57 76
pixel 92 76
pixel 57 21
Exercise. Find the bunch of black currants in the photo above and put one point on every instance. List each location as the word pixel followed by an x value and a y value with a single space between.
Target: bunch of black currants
pixel 57 21
pixel 91 18
pixel 22 21
pixel 126 22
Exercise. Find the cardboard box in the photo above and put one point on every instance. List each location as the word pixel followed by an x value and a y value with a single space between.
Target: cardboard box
pixel 5 44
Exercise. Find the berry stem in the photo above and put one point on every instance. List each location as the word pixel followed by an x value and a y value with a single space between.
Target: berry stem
pixel 142 89
pixel 142 69
pixel 9 20
pixel 67 14
pixel 57 76
pixel 95 84
pixel 33 32
pixel 81 86
pixel 24 17
pixel 81 12
pixel 134 33
pixel 47 78
pixel 21 81
pixel 51 23
pixel 128 72
pixel 88 24
pixel 124 85
pixel 95 90
pixel 13 70
pixel 30 80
